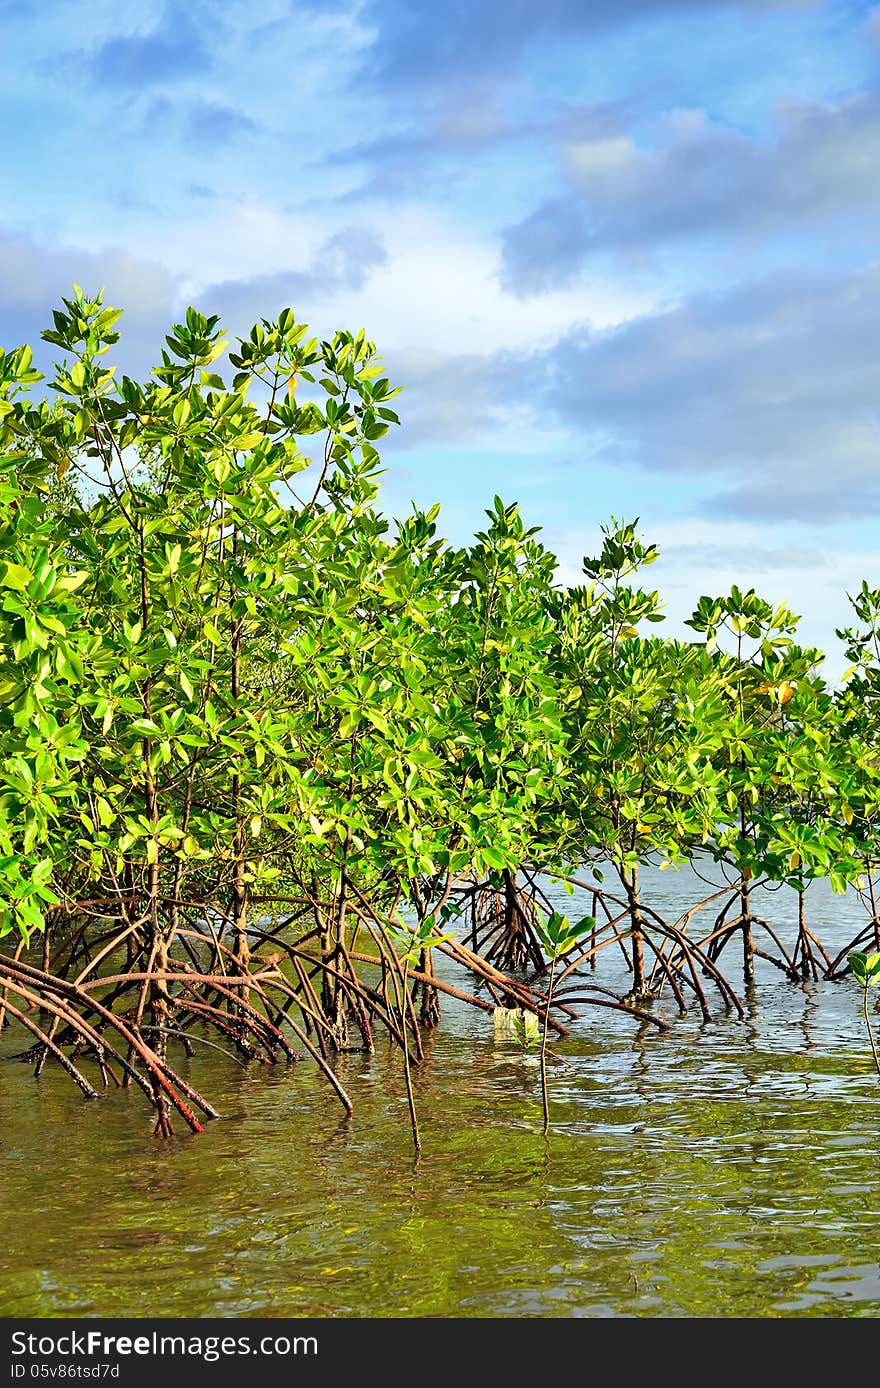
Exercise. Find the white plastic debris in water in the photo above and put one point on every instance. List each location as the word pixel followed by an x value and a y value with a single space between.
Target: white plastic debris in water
pixel 513 1021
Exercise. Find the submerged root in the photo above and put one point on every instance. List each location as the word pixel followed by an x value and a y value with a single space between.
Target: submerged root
pixel 501 922
pixel 262 1009
pixel 112 1009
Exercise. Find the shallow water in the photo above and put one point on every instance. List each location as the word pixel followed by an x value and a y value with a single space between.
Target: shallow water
pixel 726 1168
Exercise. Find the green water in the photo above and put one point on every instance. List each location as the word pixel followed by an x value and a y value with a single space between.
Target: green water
pixel 718 1169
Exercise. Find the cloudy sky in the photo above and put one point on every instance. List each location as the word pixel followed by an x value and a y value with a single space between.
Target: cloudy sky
pixel 622 255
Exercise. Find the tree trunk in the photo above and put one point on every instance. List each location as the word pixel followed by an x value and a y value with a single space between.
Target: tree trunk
pixel 630 882
pixel 748 939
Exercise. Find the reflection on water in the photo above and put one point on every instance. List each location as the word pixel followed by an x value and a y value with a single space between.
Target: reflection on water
pixel 725 1168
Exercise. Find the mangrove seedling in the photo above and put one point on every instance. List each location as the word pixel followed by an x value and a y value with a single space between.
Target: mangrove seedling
pixel 866 968
pixel 412 944
pixel 557 935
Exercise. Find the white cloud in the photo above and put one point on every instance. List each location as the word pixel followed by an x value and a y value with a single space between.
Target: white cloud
pixel 438 292
pixel 601 163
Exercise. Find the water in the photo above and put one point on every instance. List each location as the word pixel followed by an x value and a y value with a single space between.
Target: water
pixel 719 1169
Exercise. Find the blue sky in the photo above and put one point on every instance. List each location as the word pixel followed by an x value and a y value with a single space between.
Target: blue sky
pixel 622 257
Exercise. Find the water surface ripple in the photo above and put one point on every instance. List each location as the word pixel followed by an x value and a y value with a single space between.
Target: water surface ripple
pixel 719 1169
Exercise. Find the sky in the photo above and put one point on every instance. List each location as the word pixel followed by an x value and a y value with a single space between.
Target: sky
pixel 622 258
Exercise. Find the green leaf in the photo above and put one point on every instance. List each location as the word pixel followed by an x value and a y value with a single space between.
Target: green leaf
pixel 145 727
pixel 859 964
pixel 17 577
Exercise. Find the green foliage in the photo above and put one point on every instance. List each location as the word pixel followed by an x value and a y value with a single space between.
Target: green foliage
pixel 411 944
pixel 866 971
pixel 224 673
pixel 558 935
pixel 43 643
pixel 865 967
